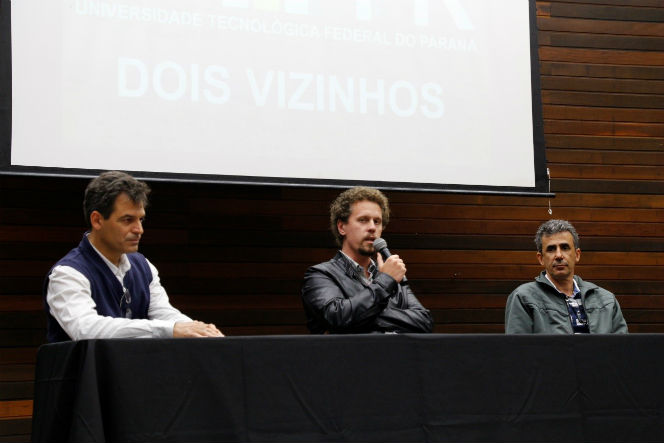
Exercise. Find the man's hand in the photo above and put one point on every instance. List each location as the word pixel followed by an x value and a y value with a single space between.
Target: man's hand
pixel 195 329
pixel 393 266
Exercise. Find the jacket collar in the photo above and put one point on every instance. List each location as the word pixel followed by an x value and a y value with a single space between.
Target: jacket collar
pixel 583 285
pixel 343 261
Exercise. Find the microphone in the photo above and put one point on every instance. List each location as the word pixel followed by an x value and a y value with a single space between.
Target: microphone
pixel 380 245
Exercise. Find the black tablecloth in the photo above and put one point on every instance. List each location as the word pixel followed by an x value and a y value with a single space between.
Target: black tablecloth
pixel 352 388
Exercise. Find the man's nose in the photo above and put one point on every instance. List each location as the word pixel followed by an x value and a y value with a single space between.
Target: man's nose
pixel 138 227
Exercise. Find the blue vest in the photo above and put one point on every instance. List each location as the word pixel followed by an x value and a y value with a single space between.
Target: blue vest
pixel 104 285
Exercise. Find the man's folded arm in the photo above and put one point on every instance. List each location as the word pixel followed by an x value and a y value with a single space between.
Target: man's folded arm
pixel 325 299
pixel 410 316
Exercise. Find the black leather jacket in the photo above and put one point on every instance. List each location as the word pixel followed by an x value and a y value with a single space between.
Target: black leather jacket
pixel 338 300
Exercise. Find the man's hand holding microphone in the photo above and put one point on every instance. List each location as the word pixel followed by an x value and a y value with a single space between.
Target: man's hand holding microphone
pixel 390 264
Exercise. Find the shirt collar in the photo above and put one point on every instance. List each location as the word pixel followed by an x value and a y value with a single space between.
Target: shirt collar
pixel 119 270
pixel 359 269
pixel 575 291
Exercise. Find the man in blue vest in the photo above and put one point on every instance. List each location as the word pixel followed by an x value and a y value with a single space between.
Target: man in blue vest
pixel 104 288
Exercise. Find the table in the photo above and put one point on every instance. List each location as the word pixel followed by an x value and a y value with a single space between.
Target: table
pixel 362 388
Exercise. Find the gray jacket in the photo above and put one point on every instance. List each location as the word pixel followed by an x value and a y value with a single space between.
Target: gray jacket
pixel 538 308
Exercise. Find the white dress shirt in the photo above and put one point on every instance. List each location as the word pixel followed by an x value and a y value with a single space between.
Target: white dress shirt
pixel 69 298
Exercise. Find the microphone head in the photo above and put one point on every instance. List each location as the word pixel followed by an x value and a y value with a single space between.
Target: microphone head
pixel 379 244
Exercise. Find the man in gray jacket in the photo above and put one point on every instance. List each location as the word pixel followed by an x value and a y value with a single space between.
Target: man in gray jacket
pixel 559 302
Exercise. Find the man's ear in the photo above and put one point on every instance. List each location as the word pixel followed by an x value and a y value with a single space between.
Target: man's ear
pixel 96 220
pixel 340 227
pixel 539 258
pixel 578 255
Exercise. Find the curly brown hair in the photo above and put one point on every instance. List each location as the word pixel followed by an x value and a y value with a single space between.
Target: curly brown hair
pixel 341 207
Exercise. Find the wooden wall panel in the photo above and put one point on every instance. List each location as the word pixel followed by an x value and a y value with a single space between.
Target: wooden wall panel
pixel 235 255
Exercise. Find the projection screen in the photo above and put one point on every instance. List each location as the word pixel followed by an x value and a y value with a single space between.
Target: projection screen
pixel 438 95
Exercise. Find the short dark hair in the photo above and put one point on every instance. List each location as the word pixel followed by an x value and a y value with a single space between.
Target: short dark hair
pixel 102 191
pixel 554 227
pixel 341 207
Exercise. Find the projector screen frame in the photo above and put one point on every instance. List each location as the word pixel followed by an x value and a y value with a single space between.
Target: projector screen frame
pixel 541 188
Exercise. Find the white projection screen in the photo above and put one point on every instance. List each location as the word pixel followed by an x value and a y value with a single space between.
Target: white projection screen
pixel 432 95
